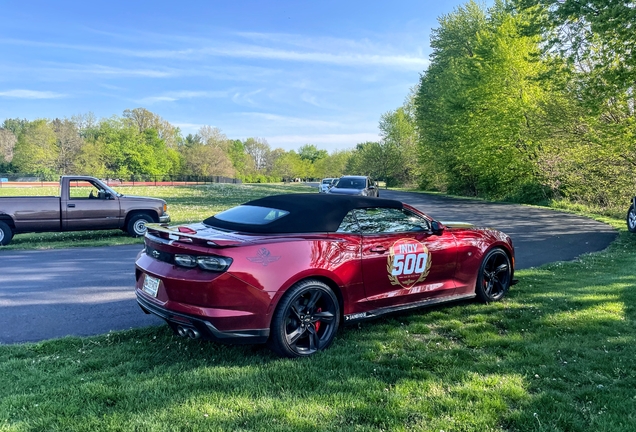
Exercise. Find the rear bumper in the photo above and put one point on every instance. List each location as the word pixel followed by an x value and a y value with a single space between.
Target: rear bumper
pixel 204 327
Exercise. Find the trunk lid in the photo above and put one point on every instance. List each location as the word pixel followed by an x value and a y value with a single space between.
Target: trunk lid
pixel 197 234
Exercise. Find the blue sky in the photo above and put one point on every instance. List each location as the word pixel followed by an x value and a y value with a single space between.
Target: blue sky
pixel 291 72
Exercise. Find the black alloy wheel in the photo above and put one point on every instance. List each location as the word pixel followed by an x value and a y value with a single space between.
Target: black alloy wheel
pixel 306 320
pixel 495 276
pixel 631 219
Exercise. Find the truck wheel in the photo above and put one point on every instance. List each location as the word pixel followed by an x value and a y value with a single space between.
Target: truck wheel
pixel 631 219
pixel 137 225
pixel 6 234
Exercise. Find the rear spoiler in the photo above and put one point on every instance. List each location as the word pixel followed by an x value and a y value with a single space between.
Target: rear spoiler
pixel 168 234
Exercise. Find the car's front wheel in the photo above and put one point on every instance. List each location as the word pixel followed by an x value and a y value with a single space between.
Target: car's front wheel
pixel 306 320
pixel 631 219
pixel 495 276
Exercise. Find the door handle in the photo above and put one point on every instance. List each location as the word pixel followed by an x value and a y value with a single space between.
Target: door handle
pixel 378 249
pixel 70 205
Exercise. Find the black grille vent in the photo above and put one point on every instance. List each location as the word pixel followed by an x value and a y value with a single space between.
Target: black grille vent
pixel 160 255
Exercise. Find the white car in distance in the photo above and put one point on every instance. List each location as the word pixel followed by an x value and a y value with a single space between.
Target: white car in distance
pixel 325 185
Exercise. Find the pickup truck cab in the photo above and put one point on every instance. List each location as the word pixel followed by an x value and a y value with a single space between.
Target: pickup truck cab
pixel 84 203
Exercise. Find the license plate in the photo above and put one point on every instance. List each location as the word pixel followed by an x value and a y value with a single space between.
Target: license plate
pixel 151 285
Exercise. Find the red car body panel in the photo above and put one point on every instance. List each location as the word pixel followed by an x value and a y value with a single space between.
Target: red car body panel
pixel 237 305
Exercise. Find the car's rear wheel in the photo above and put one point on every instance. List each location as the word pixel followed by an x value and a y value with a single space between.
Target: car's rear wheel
pixel 6 234
pixel 306 320
pixel 495 276
pixel 136 226
pixel 631 219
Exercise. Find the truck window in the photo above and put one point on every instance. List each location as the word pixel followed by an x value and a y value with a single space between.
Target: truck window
pixel 82 189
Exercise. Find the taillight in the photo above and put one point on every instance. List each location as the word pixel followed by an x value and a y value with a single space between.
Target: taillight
pixel 206 262
pixel 214 263
pixel 185 260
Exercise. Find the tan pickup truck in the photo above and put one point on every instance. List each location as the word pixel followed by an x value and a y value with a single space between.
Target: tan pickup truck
pixel 84 203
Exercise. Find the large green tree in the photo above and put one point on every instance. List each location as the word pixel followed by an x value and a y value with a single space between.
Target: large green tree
pixel 127 150
pixel 206 153
pixel 258 150
pixel 441 99
pixel 398 130
pixel 598 37
pixel 311 153
pixel 36 151
pixel 7 144
pixel 142 119
pixel 480 104
pixel 69 144
pixel 334 165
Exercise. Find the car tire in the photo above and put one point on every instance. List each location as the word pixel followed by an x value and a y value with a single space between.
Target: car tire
pixel 631 219
pixel 305 321
pixel 6 234
pixel 136 226
pixel 495 276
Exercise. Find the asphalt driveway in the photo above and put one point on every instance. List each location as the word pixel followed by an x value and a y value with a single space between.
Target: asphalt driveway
pixel 86 291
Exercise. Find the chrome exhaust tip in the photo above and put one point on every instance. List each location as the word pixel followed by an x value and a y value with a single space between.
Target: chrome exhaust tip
pixel 193 334
pixel 182 331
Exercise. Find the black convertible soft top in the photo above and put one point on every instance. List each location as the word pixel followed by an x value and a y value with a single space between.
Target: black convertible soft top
pixel 309 212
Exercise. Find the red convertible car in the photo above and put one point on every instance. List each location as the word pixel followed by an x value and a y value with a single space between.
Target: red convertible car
pixel 289 269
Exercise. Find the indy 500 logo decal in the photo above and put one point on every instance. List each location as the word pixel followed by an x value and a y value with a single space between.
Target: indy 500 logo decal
pixel 408 263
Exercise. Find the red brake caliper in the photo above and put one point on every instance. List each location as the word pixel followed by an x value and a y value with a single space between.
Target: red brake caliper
pixel 318 322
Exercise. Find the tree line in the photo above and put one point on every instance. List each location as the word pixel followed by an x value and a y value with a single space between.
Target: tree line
pixel 531 100
pixel 142 143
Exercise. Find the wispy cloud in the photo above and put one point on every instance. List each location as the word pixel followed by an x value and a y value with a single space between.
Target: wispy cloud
pixel 246 98
pixel 310 99
pixel 30 94
pixel 186 94
pixel 101 49
pixel 189 126
pixel 343 50
pixel 291 121
pixel 344 59
pixel 323 50
pixel 111 87
pixel 122 72
pixel 330 141
pixel 155 99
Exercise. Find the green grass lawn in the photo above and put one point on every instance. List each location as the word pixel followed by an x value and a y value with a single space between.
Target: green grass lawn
pixel 185 204
pixel 557 354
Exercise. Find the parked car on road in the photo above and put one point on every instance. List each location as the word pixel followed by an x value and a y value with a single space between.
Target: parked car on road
pixel 325 185
pixel 631 216
pixel 84 203
pixel 289 269
pixel 355 185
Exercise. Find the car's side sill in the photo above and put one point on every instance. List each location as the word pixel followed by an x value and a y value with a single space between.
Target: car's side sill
pixel 387 310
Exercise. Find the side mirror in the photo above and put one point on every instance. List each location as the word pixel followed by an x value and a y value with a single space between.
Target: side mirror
pixel 437 227
pixel 108 196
